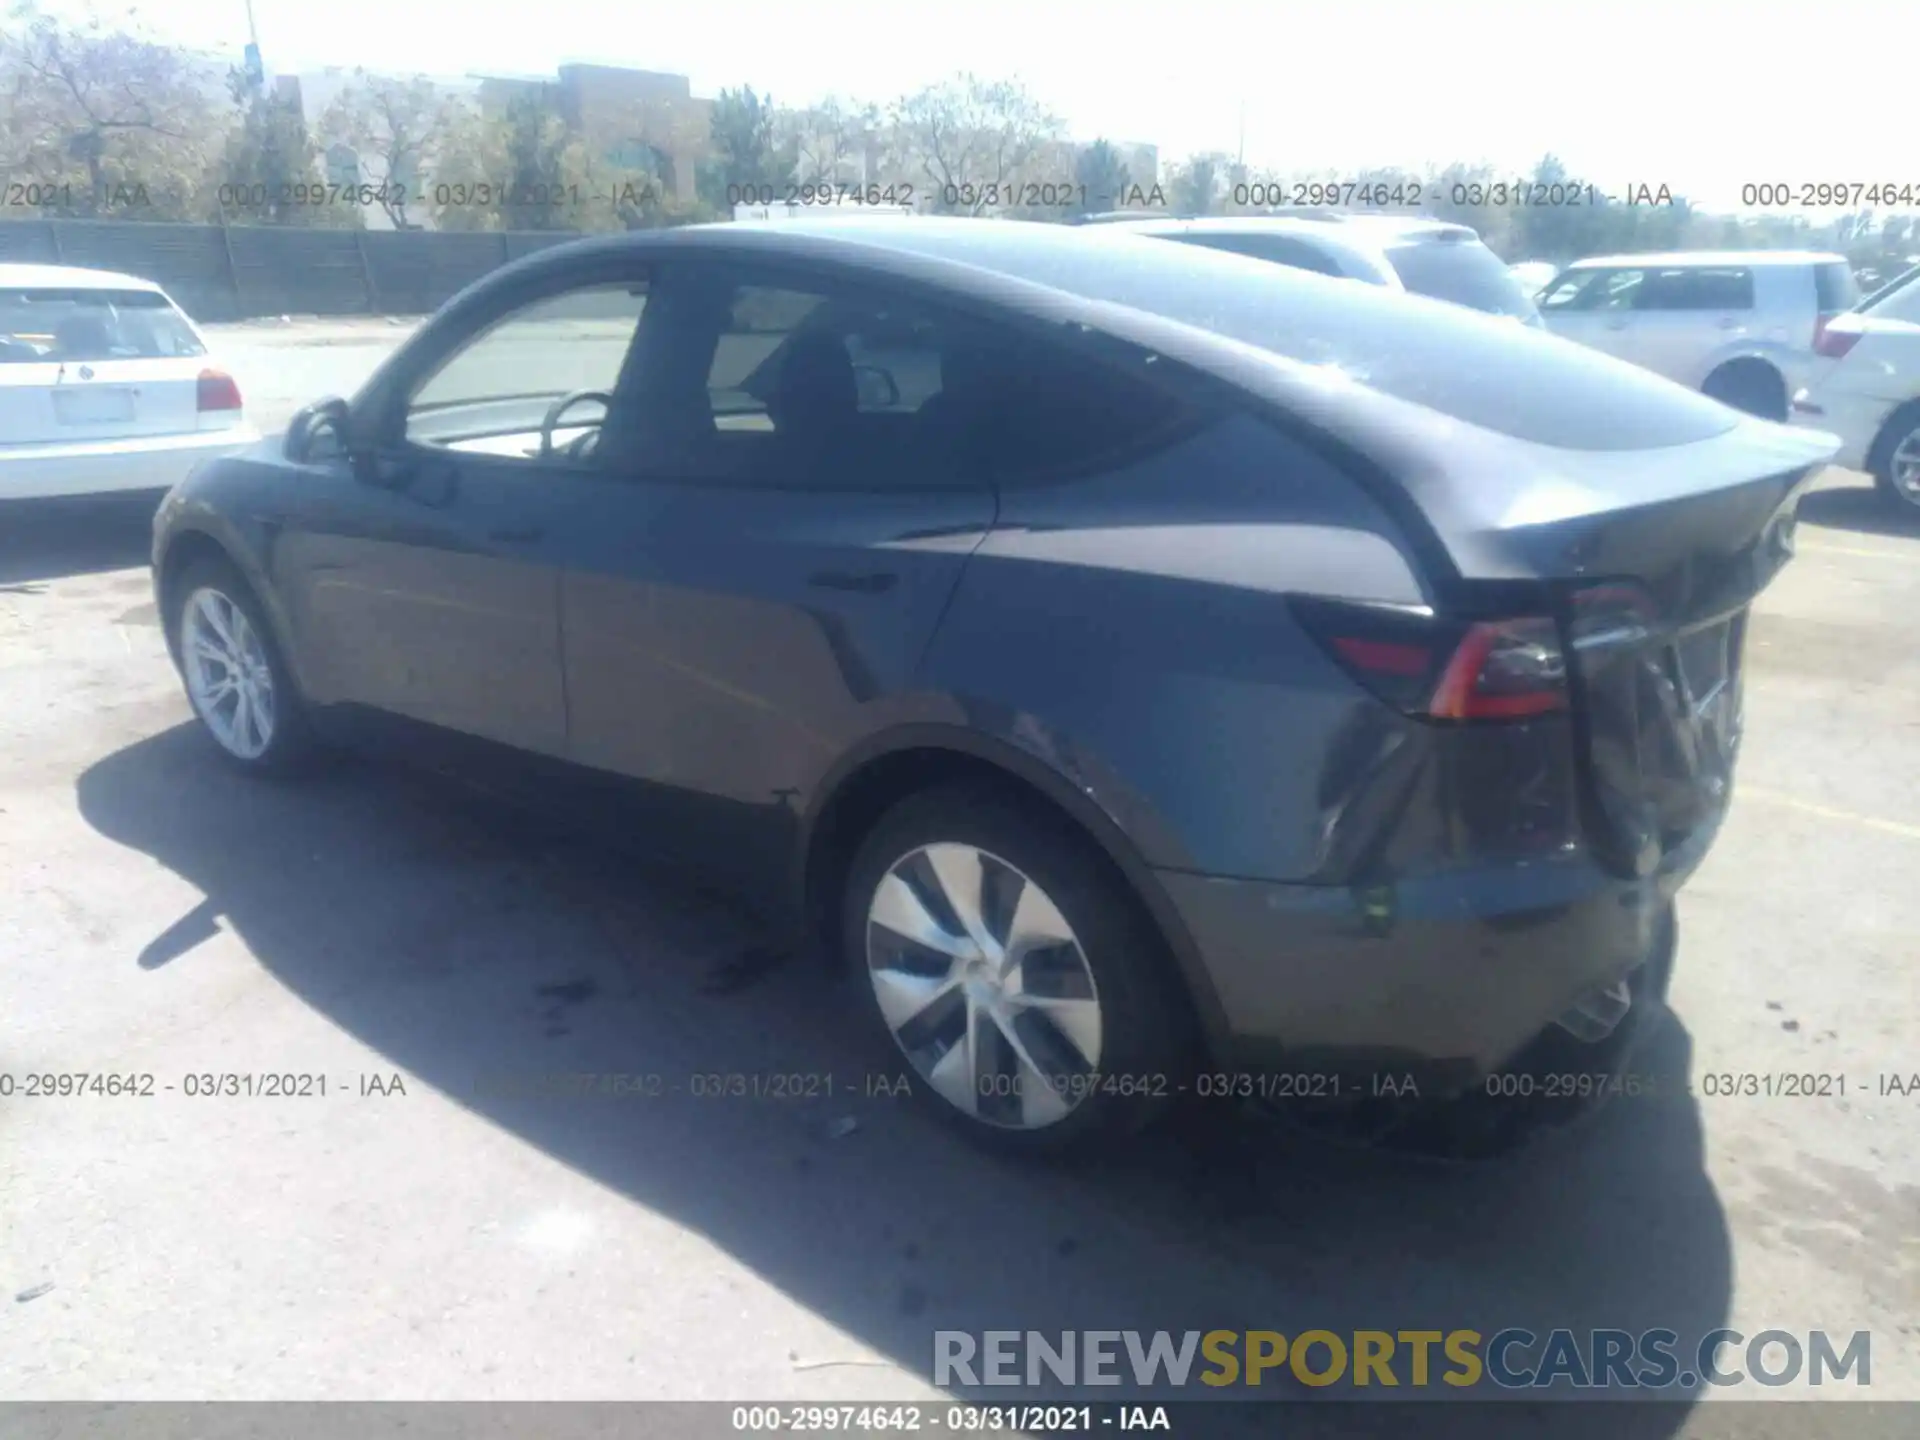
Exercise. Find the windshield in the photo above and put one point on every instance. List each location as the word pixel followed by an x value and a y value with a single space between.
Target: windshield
pixel 43 326
pixel 1887 291
pixel 1464 272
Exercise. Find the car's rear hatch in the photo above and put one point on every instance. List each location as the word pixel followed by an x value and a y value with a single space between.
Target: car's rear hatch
pixel 1532 474
pixel 85 364
pixel 1655 604
pixel 1527 474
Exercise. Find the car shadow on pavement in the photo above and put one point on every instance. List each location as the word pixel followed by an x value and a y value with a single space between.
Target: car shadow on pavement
pixel 475 947
pixel 1858 507
pixel 51 539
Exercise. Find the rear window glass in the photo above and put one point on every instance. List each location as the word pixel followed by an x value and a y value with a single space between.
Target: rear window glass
pixel 1280 249
pixel 1464 272
pixel 1834 287
pixel 54 326
pixel 1502 377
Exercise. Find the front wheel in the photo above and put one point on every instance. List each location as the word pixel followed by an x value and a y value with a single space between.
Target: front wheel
pixel 1013 970
pixel 238 685
pixel 1896 459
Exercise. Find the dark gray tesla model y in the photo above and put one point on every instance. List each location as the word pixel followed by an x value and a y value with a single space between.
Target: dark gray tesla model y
pixel 1151 670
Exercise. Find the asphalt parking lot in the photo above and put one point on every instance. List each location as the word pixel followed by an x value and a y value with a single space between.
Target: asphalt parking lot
pixel 425 1230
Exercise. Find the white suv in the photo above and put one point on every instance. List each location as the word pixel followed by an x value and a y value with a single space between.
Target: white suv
pixel 1739 325
pixel 1865 388
pixel 104 385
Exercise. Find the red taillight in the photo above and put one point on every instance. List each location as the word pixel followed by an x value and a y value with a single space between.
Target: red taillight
pixel 1441 669
pixel 1503 670
pixel 217 391
pixel 1383 657
pixel 1833 343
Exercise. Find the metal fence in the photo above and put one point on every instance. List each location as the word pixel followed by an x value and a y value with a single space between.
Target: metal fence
pixel 219 272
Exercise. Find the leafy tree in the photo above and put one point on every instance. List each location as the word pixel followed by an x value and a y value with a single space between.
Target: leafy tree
pixel 519 168
pixel 1555 232
pixel 1101 176
pixel 750 151
pixel 269 155
pixel 968 141
pixel 103 114
pixel 1199 183
pixel 397 130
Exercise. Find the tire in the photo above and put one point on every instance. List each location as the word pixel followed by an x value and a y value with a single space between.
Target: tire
pixel 1899 442
pixel 1751 387
pixel 215 610
pixel 1113 1033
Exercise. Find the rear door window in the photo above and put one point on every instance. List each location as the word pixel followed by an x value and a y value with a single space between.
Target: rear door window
pixel 56 326
pixel 1696 287
pixel 1464 272
pixel 849 387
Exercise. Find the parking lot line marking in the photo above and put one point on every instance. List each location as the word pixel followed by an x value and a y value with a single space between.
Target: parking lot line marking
pixel 1818 549
pixel 1827 812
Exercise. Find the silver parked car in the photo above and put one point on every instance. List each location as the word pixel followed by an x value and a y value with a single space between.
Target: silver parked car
pixel 1742 326
pixel 1435 258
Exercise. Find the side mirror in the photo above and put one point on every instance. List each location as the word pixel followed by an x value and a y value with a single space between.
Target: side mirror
pixel 318 432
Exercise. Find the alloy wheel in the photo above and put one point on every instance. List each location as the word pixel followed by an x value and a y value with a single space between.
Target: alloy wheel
pixel 985 986
pixel 1903 467
pixel 228 677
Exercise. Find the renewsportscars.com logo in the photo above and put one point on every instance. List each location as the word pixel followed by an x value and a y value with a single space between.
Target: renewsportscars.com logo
pixel 1512 1359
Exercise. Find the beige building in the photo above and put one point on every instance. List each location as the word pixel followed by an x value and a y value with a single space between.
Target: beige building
pixel 644 120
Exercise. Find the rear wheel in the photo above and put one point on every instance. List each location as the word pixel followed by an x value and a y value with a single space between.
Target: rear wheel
pixel 1014 972
pixel 1750 386
pixel 1895 461
pixel 236 681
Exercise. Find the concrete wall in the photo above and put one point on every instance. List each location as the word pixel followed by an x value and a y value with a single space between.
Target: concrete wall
pixel 237 272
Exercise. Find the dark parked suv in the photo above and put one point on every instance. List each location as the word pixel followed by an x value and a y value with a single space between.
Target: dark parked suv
pixel 1139 663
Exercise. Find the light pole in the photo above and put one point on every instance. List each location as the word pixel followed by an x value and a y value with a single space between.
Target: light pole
pixel 256 71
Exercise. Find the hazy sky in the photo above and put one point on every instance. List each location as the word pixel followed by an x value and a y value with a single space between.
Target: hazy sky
pixel 1696 94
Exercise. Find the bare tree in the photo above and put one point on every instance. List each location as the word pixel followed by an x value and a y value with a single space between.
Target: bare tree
pixel 830 138
pixel 971 140
pixel 112 121
pixel 398 130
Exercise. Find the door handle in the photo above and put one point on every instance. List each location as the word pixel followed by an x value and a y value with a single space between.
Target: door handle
pixel 521 535
pixel 874 583
pixel 1727 322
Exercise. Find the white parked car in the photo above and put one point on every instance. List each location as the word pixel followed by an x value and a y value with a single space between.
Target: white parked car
pixel 1865 388
pixel 1738 325
pixel 105 385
